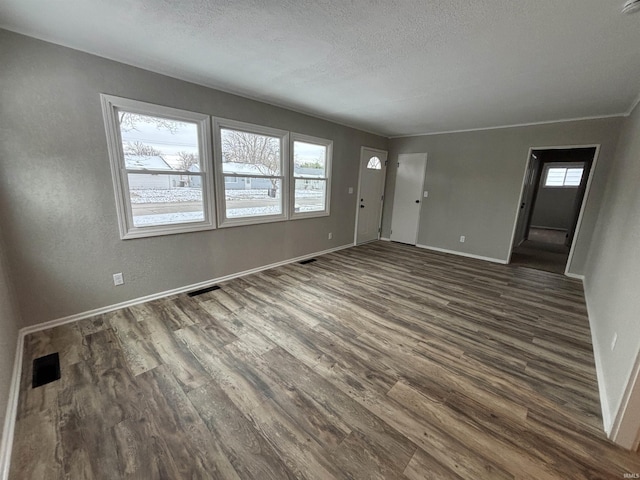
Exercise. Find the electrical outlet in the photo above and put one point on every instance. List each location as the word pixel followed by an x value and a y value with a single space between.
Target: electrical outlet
pixel 330 235
pixel 118 279
pixel 614 340
pixel 462 238
pixel 350 190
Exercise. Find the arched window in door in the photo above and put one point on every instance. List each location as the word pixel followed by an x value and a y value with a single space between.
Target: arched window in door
pixel 374 164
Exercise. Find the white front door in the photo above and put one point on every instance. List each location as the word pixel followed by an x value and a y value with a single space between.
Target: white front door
pixel 407 199
pixel 370 194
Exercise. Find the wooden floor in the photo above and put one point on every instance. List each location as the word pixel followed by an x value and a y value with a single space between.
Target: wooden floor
pixel 381 361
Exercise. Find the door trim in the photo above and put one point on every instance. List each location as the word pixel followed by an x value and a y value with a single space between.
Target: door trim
pixel 384 185
pixel 585 197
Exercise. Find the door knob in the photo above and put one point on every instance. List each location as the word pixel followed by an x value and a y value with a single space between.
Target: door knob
pixel 361 206
pixel 417 201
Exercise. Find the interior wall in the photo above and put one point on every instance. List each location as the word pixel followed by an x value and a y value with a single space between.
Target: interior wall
pixel 612 273
pixel 554 207
pixel 474 180
pixel 9 325
pixel 59 213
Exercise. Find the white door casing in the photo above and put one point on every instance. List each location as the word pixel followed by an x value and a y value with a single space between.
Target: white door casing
pixel 370 194
pixel 526 199
pixel 408 197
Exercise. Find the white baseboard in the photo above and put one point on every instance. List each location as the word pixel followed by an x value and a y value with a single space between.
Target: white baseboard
pixel 607 421
pixel 463 254
pixel 6 446
pixel 622 424
pixel 549 228
pixel 154 296
pixel 385 239
pixel 625 430
pixel 574 275
pixel 14 391
pixel 604 401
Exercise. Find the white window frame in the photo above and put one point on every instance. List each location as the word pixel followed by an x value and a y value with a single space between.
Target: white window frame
pixel 110 106
pixel 572 165
pixel 299 137
pixel 283 135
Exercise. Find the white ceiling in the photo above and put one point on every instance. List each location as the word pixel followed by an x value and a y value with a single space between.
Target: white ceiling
pixel 394 67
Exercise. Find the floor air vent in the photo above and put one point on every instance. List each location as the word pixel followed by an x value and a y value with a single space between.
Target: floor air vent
pixel 309 260
pixel 204 290
pixel 46 370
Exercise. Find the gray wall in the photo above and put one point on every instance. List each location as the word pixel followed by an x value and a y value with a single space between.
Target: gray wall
pixel 554 207
pixel 474 181
pixel 58 210
pixel 612 279
pixel 9 323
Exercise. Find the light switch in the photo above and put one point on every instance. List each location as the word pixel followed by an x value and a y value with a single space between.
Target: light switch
pixel 425 194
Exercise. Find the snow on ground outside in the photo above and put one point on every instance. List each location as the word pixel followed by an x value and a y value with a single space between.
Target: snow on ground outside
pixel 174 195
pixel 167 219
pixel 178 195
pixel 184 217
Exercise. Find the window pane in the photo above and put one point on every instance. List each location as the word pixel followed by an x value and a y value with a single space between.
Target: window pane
pixel 310 195
pixel 309 159
pixel 250 153
pixel 156 143
pixel 555 177
pixel 158 199
pixel 573 178
pixel 252 196
pixel 374 164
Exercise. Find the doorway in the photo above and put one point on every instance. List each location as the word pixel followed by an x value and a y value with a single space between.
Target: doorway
pixel 407 200
pixel 373 169
pixel 555 185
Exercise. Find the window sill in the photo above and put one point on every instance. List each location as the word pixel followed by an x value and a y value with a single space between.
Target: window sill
pixel 241 222
pixel 165 230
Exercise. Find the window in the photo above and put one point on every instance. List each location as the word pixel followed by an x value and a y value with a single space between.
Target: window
pixel 160 163
pixel 252 173
pixel 163 162
pixel 374 164
pixel 568 175
pixel 311 176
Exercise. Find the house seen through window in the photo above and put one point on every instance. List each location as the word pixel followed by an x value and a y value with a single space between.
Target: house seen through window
pixel 163 162
pixel 311 166
pixel 158 165
pixel 251 163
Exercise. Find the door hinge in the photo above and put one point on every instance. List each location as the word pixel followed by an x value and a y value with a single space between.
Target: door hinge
pixel 382 198
pixel 379 230
pixel 386 162
pixel 398 164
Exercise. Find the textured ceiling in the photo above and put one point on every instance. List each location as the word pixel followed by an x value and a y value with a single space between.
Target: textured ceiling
pixel 389 66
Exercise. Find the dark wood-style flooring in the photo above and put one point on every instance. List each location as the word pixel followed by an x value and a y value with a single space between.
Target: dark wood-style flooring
pixel 544 249
pixel 376 362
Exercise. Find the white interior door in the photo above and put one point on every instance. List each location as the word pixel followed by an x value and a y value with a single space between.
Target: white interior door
pixel 407 199
pixel 370 194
